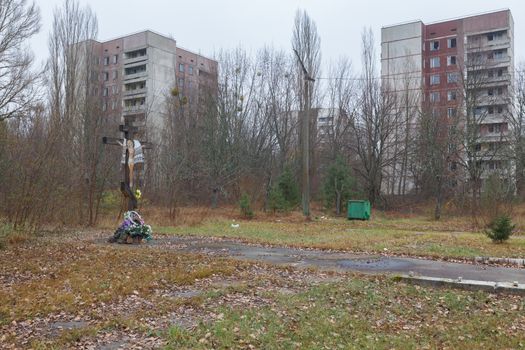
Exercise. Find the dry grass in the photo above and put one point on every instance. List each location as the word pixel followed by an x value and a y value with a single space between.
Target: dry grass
pixel 38 280
pixel 122 290
pixel 455 237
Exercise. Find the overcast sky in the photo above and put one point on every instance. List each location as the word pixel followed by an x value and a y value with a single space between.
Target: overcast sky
pixel 208 25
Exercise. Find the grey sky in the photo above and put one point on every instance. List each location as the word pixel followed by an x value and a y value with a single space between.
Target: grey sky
pixel 207 25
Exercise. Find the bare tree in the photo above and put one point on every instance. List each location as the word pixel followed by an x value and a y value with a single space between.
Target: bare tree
pixel 407 88
pixel 436 155
pixel 76 112
pixel 281 100
pixel 374 122
pixel 342 93
pixel 478 148
pixel 516 120
pixel 19 21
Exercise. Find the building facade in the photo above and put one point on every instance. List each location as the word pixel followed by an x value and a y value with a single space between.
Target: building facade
pixel 137 72
pixel 456 68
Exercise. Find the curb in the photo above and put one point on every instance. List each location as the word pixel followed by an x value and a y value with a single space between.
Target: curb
pixel 509 261
pixel 471 285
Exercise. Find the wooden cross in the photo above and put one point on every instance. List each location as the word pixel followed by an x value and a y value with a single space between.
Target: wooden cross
pixel 125 187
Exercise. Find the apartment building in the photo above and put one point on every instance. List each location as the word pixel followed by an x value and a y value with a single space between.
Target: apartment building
pixel 430 64
pixel 136 72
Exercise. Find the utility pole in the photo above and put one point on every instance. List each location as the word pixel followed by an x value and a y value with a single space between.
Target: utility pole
pixel 306 138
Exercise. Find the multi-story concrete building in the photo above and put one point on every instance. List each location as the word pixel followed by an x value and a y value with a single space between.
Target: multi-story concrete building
pixel 438 65
pixel 138 71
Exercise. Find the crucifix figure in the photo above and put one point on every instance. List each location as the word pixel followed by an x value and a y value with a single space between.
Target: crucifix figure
pixel 132 154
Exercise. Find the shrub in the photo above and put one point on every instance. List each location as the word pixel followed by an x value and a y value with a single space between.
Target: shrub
pixel 500 229
pixel 246 209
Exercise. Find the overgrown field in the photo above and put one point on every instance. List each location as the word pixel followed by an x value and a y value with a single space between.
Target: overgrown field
pixel 72 290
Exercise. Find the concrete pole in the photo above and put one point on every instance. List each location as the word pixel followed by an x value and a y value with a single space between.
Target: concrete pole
pixel 306 151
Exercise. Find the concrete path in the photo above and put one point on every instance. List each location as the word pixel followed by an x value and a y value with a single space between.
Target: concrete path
pixel 343 261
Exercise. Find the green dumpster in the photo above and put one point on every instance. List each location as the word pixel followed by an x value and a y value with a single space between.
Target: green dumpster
pixel 358 210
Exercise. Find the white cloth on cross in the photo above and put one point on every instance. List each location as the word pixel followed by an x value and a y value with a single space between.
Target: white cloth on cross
pixel 139 155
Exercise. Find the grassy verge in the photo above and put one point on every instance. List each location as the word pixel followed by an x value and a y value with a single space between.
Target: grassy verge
pixel 364 314
pixel 415 237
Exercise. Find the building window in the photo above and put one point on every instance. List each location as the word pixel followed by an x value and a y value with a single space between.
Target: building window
pixel 105 91
pixel 181 83
pixel 477 147
pixel 114 89
pixel 434 96
pixel 494 128
pixel 181 67
pixel 500 109
pixel 115 75
pixel 113 105
pixel 190 70
pixel 490 110
pixel 435 112
pixel 451 60
pixel 500 72
pixel 451 95
pixel 498 55
pixel 434 79
pixel 494 165
pixel 451 112
pixel 500 91
pixel 451 43
pixel 105 76
pixel 490 74
pixel 452 77
pixel 104 106
pixel 490 92
pixel 434 62
pixel 115 59
pixel 434 45
pixel 106 60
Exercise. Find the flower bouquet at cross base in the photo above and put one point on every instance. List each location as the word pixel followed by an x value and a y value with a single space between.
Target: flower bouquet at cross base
pixel 132 230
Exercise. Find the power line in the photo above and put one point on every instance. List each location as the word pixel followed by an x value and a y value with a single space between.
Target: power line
pixel 399 76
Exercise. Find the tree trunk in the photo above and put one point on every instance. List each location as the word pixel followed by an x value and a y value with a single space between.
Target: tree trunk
pixel 338 202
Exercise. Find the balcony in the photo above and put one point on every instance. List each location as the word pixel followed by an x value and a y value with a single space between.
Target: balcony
pixel 486 45
pixel 138 75
pixel 495 137
pixel 494 118
pixel 133 109
pixel 138 59
pixel 495 100
pixel 135 92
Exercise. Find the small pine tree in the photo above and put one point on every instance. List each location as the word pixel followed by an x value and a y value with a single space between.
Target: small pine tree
pixel 246 209
pixel 284 194
pixel 339 184
pixel 500 229
pixel 287 184
pixel 276 200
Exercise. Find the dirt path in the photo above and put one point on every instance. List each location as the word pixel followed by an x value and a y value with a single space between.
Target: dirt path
pixel 341 261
